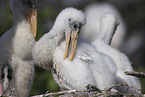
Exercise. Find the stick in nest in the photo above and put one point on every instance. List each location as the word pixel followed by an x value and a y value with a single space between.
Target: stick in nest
pixel 137 74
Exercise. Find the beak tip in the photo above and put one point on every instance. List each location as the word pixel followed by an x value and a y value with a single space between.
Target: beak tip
pixel 70 59
pixel 63 58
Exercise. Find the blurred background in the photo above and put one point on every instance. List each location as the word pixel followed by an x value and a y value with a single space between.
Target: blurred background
pixel 132 12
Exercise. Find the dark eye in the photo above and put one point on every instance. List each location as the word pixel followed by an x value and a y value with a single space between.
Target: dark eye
pixel 75 26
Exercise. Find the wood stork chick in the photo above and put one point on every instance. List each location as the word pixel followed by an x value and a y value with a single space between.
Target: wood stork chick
pixel 91 30
pixel 88 66
pixel 20 40
pixel 108 26
pixel 44 48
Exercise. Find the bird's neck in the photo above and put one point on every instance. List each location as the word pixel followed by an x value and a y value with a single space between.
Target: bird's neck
pixel 20 21
pixel 52 38
pixel 106 33
pixel 57 35
pixel 23 39
pixel 18 14
pixel 22 26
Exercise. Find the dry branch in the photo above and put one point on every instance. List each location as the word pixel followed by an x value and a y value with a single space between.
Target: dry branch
pixel 105 93
pixel 118 94
pixel 94 91
pixel 93 88
pixel 56 93
pixel 124 85
pixel 137 74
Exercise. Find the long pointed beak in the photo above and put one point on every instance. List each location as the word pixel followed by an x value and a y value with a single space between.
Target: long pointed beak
pixel 31 17
pixel 74 39
pixel 67 45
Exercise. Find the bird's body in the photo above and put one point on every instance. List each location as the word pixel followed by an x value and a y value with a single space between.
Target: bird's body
pixel 108 27
pixel 123 65
pixel 88 65
pixel 91 30
pixel 22 63
pixel 20 41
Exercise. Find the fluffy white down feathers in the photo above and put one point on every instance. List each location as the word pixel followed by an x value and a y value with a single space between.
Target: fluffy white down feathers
pixel 121 60
pixel 19 41
pixel 45 46
pixel 93 64
pixel 71 74
pixel 78 73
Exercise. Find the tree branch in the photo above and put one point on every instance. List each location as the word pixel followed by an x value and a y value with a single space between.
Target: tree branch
pixel 56 93
pixel 98 92
pixel 93 88
pixel 124 85
pixel 137 74
pixel 109 93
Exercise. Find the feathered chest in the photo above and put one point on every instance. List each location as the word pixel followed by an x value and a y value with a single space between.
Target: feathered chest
pixel 58 77
pixel 23 40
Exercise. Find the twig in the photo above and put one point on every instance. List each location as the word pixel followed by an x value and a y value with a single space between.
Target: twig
pixel 45 93
pixel 109 93
pixel 56 93
pixel 137 74
pixel 124 85
pixel 93 88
